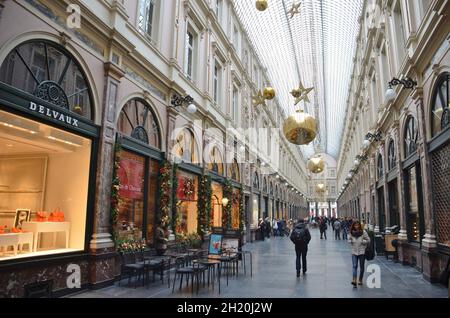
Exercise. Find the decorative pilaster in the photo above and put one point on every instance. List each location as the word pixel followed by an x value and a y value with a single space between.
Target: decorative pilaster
pixel 400 183
pixel 101 238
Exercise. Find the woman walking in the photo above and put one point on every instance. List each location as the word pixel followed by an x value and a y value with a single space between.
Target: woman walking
pixel 359 239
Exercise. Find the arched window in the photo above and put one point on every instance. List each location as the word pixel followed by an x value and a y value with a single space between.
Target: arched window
pixel 256 181
pixel 392 158
pixel 271 188
pixel 215 163
pixel 234 171
pixel 380 169
pixel 185 146
pixel 49 72
pixel 440 105
pixel 411 136
pixel 137 121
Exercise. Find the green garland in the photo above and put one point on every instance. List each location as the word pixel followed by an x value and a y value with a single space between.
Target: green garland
pixel 204 206
pixel 165 195
pixel 115 187
pixel 241 211
pixel 227 193
pixel 175 216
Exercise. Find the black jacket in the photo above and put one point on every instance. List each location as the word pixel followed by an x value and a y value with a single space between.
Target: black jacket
pixel 307 234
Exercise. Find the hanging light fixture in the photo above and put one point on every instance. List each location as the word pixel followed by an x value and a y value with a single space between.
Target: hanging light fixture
pixel 320 188
pixel 316 164
pixel 262 5
pixel 300 129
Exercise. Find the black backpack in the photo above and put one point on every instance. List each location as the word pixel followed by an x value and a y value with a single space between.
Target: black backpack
pixel 298 236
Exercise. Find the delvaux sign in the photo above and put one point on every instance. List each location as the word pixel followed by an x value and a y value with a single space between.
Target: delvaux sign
pixel 53 114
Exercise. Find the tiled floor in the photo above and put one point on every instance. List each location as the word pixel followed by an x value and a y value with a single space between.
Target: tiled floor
pixel 329 276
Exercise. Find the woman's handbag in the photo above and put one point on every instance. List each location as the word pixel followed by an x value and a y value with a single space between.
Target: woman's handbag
pixel 41 216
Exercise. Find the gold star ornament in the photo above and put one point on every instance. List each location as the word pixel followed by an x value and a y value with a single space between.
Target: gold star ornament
pixel 301 93
pixel 259 99
pixel 295 9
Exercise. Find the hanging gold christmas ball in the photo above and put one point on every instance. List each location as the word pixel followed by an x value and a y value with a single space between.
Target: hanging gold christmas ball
pixel 300 129
pixel 261 5
pixel 320 188
pixel 269 93
pixel 78 109
pixel 316 165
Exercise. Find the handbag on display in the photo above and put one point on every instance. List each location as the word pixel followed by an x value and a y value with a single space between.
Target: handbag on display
pixel 41 216
pixel 56 216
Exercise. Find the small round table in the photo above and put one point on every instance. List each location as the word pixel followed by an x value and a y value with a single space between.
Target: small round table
pixel 210 263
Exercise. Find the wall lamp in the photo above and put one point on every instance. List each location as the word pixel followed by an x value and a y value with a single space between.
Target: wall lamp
pixel 371 137
pixel 407 82
pixel 177 101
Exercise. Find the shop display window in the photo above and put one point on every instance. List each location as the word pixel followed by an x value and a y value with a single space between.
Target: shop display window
pixel 131 193
pixel 187 193
pixel 44 181
pixel 413 206
pixel 216 205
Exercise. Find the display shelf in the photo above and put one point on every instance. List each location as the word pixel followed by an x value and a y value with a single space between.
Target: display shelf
pixel 21 191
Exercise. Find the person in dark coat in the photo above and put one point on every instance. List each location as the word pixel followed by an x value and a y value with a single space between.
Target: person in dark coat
pixel 323 228
pixel 261 229
pixel 301 237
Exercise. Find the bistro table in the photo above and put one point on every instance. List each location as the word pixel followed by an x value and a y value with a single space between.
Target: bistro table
pixel 210 264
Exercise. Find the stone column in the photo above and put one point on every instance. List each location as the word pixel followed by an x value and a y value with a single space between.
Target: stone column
pixel 102 267
pixel 430 260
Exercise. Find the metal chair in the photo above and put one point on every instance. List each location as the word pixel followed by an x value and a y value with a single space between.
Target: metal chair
pixel 131 268
pixel 192 271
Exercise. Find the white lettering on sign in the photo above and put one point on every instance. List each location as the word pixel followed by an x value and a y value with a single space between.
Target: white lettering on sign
pixel 53 114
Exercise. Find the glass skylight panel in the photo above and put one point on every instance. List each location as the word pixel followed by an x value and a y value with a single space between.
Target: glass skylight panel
pixel 315 47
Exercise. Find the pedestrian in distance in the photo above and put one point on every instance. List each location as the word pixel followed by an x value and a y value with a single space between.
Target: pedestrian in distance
pixel 275 227
pixel 323 228
pixel 301 237
pixel 359 240
pixel 337 229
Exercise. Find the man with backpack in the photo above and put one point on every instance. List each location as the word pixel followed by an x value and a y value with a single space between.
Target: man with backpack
pixel 300 236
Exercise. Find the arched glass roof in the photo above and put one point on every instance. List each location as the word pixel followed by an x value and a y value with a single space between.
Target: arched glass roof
pixel 316 48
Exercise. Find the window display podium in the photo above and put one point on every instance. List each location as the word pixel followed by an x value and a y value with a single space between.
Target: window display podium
pixel 16 240
pixel 47 227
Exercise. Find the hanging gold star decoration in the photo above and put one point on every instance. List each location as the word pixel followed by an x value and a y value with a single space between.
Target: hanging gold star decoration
pixel 301 93
pixel 259 99
pixel 295 9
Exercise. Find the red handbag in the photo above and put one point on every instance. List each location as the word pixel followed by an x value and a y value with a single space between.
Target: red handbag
pixel 56 216
pixel 41 216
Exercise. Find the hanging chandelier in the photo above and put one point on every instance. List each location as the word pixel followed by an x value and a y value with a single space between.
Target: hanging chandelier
pixel 316 164
pixel 320 188
pixel 300 129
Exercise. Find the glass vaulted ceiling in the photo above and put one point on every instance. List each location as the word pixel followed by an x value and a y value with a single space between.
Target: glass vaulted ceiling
pixel 316 47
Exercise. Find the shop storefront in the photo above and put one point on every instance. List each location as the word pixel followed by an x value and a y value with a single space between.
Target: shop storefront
pixel 413 184
pixel 137 165
pixel 440 153
pixel 48 150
